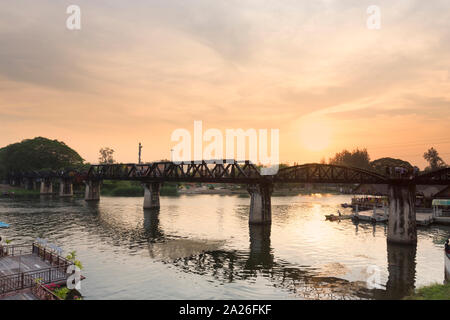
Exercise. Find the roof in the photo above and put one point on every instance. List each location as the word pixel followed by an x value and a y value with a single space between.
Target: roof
pixel 441 202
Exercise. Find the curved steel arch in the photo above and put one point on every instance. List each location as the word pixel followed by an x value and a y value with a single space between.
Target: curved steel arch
pixel 328 173
pixel 441 176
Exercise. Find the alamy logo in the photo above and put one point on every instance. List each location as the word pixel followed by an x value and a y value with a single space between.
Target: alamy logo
pixel 73 22
pixel 374 20
pixel 74 280
pixel 234 144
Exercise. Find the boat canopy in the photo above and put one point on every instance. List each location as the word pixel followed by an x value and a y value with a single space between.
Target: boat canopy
pixel 441 202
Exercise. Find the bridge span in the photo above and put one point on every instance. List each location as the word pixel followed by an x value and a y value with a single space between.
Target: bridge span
pixel 402 190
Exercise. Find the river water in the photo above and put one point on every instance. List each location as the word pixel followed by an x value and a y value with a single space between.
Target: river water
pixel 201 247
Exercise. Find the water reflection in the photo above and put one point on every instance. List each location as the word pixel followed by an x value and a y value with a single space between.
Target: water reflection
pixel 299 256
pixel 402 270
pixel 151 224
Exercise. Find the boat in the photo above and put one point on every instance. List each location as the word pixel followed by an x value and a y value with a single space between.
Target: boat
pixel 4 225
pixel 332 217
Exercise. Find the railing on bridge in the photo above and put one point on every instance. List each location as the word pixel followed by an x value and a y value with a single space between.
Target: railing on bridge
pixel 231 171
pixel 203 171
pixel 326 173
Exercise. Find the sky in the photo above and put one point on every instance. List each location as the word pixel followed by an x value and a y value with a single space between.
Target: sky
pixel 136 71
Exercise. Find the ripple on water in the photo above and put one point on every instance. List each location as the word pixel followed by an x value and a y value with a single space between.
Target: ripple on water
pixel 201 247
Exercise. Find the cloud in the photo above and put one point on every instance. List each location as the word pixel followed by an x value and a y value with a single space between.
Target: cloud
pixel 159 65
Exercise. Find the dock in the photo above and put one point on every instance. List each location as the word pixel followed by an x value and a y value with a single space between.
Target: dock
pixel 423 219
pixel 25 268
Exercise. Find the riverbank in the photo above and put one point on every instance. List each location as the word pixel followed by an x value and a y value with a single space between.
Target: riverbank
pixel 432 292
pixel 7 189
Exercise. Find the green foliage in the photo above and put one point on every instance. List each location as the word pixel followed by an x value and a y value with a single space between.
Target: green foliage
pixel 133 189
pixel 432 292
pixel 380 165
pixel 358 158
pixel 37 154
pixel 169 189
pixel 434 160
pixel 72 257
pixel 106 156
pixel 61 292
pixel 122 189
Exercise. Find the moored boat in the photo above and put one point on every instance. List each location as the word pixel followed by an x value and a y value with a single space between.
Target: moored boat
pixel 4 225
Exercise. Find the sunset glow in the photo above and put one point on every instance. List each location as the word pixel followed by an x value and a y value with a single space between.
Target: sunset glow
pixel 135 73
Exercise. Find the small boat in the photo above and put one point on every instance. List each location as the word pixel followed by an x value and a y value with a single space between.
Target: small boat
pixel 332 217
pixel 4 225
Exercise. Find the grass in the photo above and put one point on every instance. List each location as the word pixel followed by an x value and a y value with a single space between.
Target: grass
pixel 431 292
pixel 23 192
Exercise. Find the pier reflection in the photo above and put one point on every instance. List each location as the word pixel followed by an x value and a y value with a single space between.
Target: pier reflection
pixel 151 224
pixel 208 259
pixel 402 270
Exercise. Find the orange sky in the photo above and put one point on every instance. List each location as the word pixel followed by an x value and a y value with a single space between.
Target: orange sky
pixel 135 73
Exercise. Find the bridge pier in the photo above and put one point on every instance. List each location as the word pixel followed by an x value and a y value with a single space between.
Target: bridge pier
pixel 402 227
pixel 260 204
pixel 92 191
pixel 46 186
pixel 151 195
pixel 65 188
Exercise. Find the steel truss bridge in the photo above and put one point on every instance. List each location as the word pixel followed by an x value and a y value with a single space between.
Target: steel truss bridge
pixel 239 172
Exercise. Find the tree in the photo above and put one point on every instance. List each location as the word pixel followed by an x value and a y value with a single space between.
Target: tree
pixel 358 158
pixel 37 154
pixel 380 165
pixel 433 158
pixel 106 156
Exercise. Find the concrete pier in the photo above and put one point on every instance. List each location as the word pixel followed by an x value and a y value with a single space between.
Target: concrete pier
pixel 260 204
pixel 65 188
pixel 402 227
pixel 151 195
pixel 92 191
pixel 46 187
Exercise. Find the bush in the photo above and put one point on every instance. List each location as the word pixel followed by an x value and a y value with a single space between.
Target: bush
pixel 131 191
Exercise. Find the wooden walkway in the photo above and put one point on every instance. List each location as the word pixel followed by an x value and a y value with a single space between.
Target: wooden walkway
pixel 31 262
pixel 25 295
pixel 24 266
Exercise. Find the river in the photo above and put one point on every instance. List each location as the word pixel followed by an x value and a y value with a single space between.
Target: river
pixel 201 247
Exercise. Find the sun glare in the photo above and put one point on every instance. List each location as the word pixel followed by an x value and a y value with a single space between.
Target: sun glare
pixel 315 134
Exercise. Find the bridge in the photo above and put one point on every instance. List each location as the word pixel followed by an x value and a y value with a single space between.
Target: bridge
pixel 402 189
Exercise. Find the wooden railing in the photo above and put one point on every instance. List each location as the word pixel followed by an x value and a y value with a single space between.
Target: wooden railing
pixel 29 279
pixel 25 280
pixel 15 250
pixel 50 256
